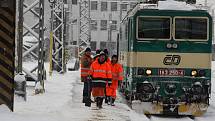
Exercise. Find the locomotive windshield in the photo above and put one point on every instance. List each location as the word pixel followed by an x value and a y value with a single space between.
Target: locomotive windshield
pixel 191 29
pixel 153 28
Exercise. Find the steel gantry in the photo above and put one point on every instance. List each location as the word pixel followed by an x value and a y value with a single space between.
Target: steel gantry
pixel 57 36
pixel 84 25
pixel 35 29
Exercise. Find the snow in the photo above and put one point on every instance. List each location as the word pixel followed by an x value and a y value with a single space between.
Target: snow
pixel 174 5
pixel 63 95
pixel 29 40
pixel 62 102
pixel 19 78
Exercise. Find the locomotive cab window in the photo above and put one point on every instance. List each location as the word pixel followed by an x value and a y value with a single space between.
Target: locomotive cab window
pixel 194 29
pixel 153 28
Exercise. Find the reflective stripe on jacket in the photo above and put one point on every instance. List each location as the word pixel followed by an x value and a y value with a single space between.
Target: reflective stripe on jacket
pixel 117 71
pixel 100 73
pixel 117 74
pixel 86 61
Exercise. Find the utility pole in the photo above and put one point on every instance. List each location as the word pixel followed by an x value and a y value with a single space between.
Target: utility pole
pixel 20 36
pixel 36 50
pixel 57 49
pixel 84 25
pixel 41 73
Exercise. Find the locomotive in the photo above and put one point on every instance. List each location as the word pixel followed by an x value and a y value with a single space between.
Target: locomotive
pixel 166 56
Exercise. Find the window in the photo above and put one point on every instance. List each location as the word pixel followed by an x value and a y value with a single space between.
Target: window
pixel 124 7
pixel 114 25
pixel 102 45
pixel 153 28
pixel 94 5
pixel 103 24
pixel 113 6
pixel 74 2
pixel 93 45
pixel 93 25
pixel 104 6
pixel 191 28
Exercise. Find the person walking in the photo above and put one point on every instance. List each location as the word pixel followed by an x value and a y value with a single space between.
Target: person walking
pixel 86 62
pixel 100 72
pixel 117 76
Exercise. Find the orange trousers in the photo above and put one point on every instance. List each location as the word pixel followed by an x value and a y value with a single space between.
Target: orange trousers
pixel 111 90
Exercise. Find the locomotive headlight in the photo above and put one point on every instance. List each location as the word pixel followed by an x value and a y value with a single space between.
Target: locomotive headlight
pixel 148 72
pixel 193 73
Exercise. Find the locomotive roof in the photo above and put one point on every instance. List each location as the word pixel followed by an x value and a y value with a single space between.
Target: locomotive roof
pixel 165 5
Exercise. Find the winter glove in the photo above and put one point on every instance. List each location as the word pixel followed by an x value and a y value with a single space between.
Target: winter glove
pixel 89 78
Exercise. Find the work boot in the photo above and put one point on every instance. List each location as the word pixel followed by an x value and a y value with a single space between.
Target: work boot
pixel 84 100
pixel 100 102
pixel 97 101
pixel 88 102
pixel 112 101
pixel 106 99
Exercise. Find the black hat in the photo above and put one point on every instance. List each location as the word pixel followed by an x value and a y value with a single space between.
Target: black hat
pixel 106 51
pixel 98 51
pixel 115 56
pixel 87 49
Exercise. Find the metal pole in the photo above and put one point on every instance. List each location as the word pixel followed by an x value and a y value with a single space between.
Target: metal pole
pixel 20 37
pixel 51 43
pixel 41 49
pixel 89 32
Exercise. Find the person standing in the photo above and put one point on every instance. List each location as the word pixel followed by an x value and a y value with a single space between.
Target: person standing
pixel 100 72
pixel 117 76
pixel 107 59
pixel 86 62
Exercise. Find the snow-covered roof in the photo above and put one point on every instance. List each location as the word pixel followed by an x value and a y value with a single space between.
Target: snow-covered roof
pixel 165 5
pixel 175 5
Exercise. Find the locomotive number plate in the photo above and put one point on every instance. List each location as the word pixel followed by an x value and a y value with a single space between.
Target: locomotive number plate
pixel 171 72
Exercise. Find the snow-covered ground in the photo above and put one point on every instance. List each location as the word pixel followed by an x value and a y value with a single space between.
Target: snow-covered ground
pixel 62 102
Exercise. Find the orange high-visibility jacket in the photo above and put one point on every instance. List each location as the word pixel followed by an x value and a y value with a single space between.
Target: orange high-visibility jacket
pixel 117 74
pixel 100 73
pixel 86 62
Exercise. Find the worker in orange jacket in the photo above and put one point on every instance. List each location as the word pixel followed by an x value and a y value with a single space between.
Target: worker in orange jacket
pixel 86 62
pixel 100 72
pixel 117 75
pixel 107 59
